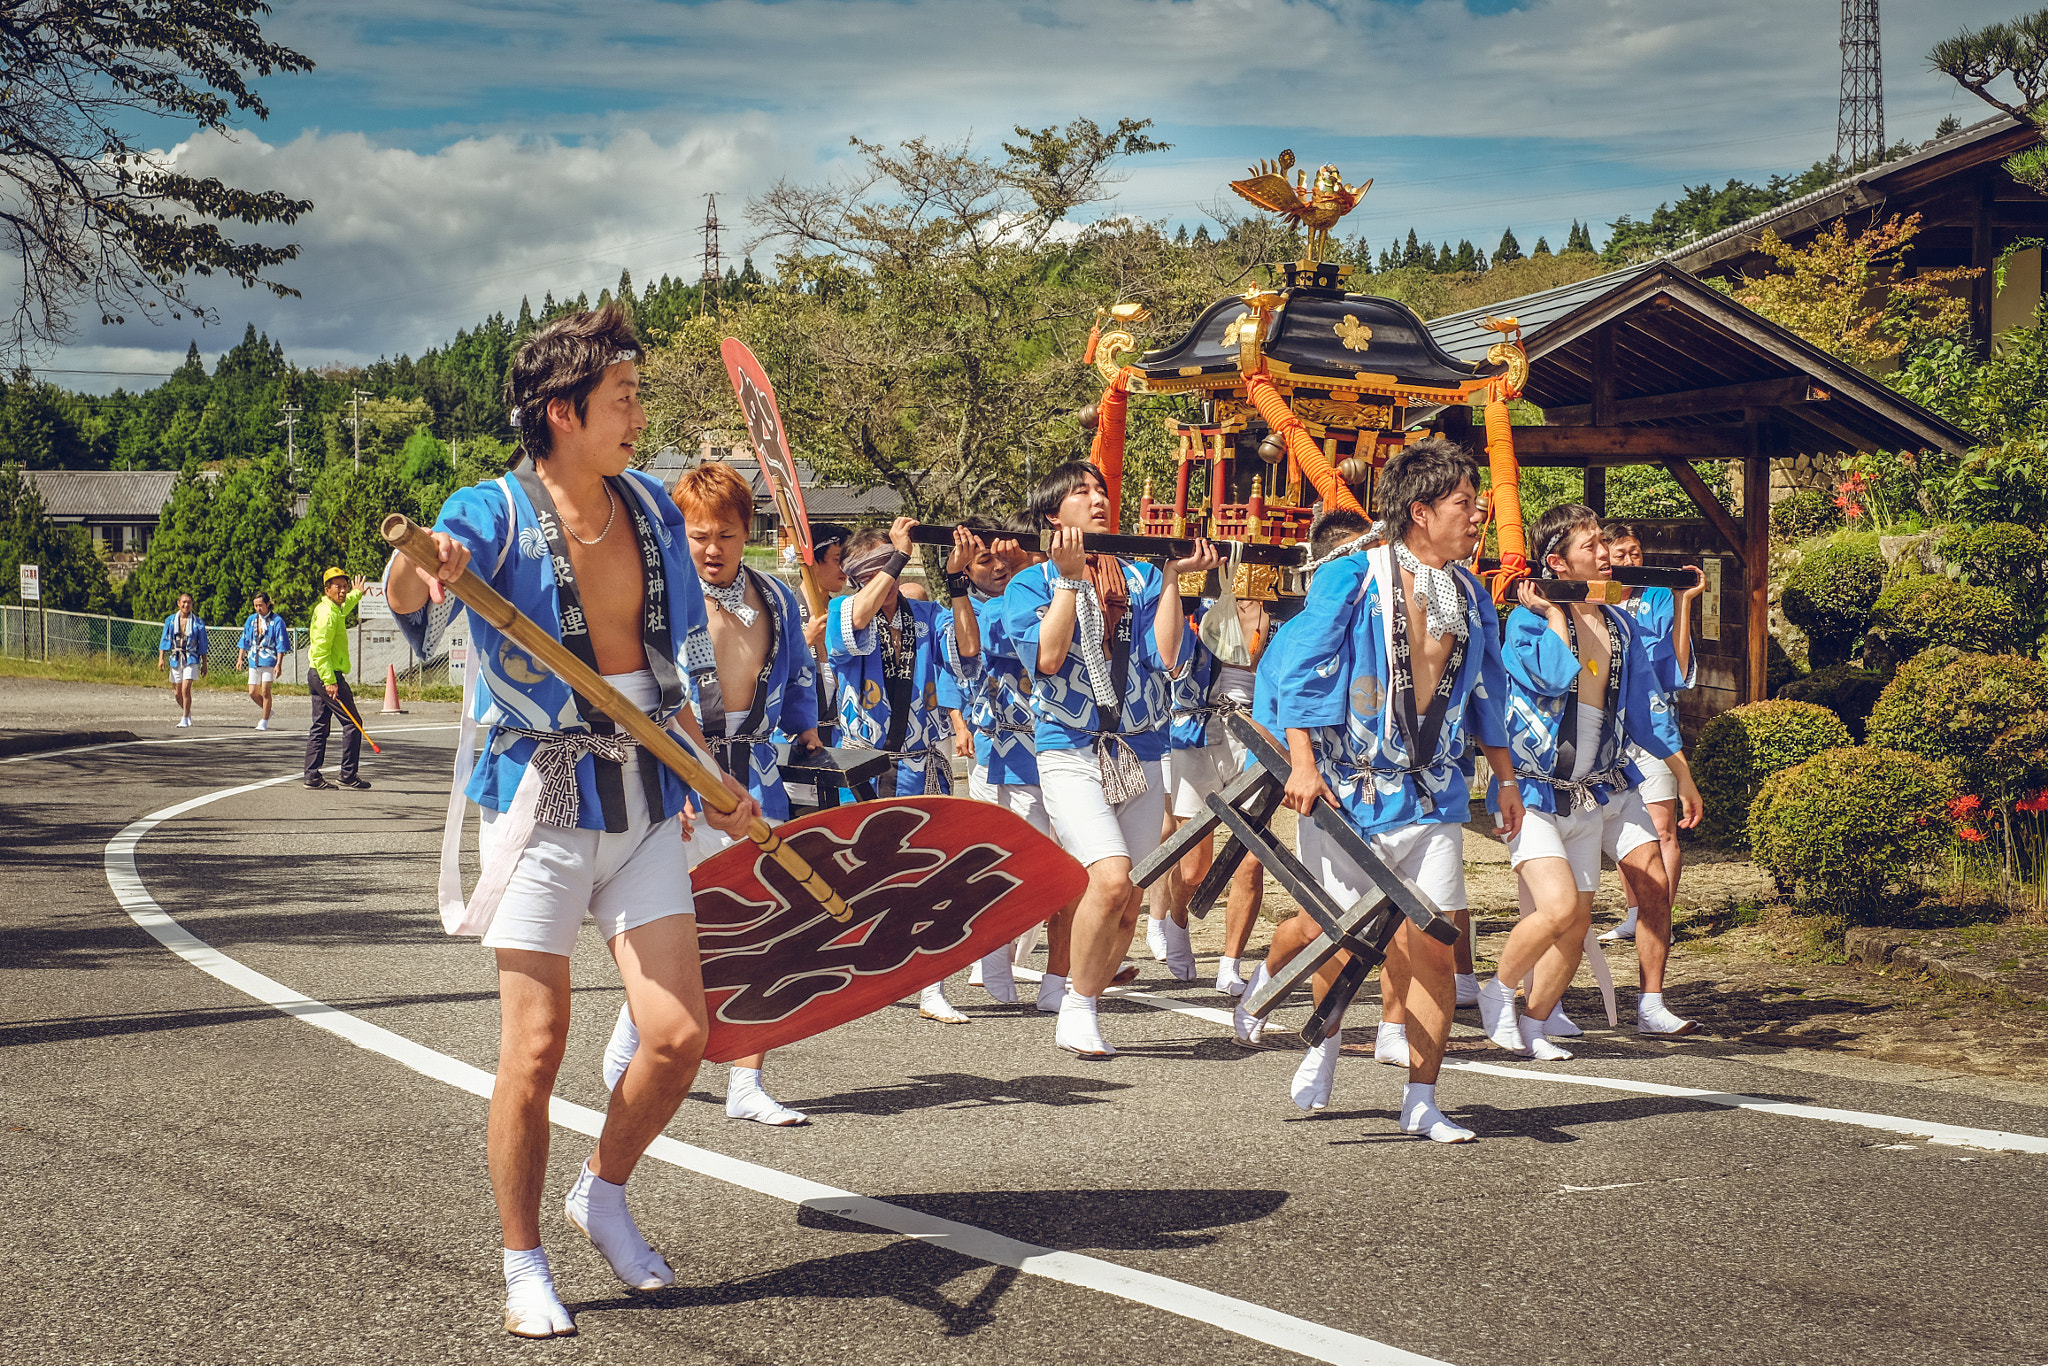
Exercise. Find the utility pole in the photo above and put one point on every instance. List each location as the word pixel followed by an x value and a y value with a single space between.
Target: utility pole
pixel 1859 126
pixel 355 421
pixel 707 286
pixel 289 422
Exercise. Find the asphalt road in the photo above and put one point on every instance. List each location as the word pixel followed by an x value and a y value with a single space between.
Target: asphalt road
pixel 195 1176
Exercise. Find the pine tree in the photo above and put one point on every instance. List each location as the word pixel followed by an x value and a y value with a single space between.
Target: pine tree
pixel 1180 239
pixel 1202 234
pixel 1413 254
pixel 1468 259
pixel 1387 261
pixel 1580 240
pixel 1508 250
pixel 1445 263
pixel 1542 248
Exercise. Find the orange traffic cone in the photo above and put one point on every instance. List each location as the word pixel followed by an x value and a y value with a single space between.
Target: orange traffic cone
pixel 391 707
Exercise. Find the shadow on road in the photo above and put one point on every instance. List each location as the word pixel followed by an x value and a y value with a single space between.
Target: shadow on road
pixel 960 1091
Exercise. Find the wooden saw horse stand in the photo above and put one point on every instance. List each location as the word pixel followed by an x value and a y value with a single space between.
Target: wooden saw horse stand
pixel 1364 929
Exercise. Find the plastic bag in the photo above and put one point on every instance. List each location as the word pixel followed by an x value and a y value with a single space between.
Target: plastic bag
pixel 1221 631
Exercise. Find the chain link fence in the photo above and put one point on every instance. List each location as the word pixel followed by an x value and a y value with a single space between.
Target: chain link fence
pixel 30 633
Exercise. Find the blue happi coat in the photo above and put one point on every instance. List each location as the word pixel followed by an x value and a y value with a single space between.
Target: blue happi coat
pixel 496 523
pixel 864 713
pixel 193 652
pixel 1651 613
pixel 1541 669
pixel 1331 678
pixel 999 704
pixel 1063 703
pixel 1195 725
pixel 791 705
pixel 265 641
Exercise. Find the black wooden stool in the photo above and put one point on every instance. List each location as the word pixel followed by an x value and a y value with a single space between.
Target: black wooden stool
pixel 1245 808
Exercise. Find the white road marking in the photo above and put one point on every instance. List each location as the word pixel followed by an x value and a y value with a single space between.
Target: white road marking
pixel 1254 1321
pixel 250 734
pixel 1956 1135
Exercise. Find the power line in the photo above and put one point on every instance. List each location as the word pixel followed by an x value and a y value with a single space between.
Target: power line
pixel 707 290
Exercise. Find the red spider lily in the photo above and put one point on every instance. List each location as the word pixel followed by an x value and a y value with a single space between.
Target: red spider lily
pixel 2037 802
pixel 1963 806
pixel 1967 833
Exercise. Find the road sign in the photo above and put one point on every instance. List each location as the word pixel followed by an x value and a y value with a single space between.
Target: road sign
pixel 31 583
pixel 373 607
pixel 458 658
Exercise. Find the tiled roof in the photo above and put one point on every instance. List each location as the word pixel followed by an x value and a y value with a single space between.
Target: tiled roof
pixel 116 496
pixel 1462 335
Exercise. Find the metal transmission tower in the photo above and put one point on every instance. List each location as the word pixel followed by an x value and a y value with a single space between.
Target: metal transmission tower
pixel 707 286
pixel 1859 129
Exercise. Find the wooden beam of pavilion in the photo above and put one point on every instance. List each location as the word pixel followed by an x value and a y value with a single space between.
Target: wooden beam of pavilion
pixel 1639 445
pixel 1726 398
pixel 1710 507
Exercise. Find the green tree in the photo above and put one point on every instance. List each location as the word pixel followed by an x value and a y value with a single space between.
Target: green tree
pixel 1509 249
pixel 73 578
pixel 344 508
pixel 97 221
pixel 250 517
pixel 183 554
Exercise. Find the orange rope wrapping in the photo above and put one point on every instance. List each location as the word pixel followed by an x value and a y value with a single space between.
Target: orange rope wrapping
pixel 1507 496
pixel 1308 457
pixel 1107 452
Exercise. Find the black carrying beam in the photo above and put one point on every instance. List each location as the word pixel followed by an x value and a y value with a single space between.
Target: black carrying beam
pixel 832 769
pixel 1130 547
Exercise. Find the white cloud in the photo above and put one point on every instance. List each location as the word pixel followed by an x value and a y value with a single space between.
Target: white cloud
pixel 545 144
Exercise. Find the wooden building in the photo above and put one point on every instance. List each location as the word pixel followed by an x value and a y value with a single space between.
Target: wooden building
pixel 1970 211
pixel 1653 366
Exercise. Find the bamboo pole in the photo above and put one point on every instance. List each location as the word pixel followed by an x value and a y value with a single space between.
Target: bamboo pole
pixel 416 545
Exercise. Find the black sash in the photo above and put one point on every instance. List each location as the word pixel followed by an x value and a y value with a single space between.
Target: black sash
pixel 655 635
pixel 899 672
pixel 1568 729
pixel 1423 733
pixel 712 694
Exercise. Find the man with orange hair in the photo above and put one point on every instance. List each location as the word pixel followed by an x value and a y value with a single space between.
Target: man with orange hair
pixel 759 682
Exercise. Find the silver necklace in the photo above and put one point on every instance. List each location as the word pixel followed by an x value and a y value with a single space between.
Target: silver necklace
pixel 607 521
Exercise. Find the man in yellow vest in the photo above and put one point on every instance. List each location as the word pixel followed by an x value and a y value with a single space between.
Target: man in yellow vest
pixel 327 680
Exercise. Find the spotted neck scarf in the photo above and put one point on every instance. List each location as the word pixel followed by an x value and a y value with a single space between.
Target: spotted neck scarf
pixel 1440 591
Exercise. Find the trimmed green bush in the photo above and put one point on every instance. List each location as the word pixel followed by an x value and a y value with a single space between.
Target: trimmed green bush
pixel 1743 746
pixel 1841 826
pixel 1807 512
pixel 2005 556
pixel 1844 689
pixel 1928 610
pixel 1984 715
pixel 1829 596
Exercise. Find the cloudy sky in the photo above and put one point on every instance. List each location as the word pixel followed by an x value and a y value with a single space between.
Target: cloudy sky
pixel 463 153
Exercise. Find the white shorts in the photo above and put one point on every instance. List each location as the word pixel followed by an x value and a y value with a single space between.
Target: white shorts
pixel 184 673
pixel 1430 858
pixel 1083 821
pixel 1659 783
pixel 1199 772
pixel 1617 830
pixel 1022 798
pixel 262 677
pixel 622 881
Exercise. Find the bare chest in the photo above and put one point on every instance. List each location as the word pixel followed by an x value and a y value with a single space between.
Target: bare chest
pixel 611 582
pixel 740 649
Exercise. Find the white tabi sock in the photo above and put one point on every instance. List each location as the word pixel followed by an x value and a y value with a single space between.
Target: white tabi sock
pixel 1468 989
pixel 996 975
pixel 1052 989
pixel 1228 980
pixel 618 1053
pixel 532 1308
pixel 1391 1045
pixel 1180 953
pixel 598 1210
pixel 1419 1116
pixel 745 1098
pixel 1653 1018
pixel 1078 1032
pixel 1559 1025
pixel 1497 1015
pixel 1625 930
pixel 1155 938
pixel 1317 1075
pixel 933 1005
pixel 1537 1045
pixel 1248 1026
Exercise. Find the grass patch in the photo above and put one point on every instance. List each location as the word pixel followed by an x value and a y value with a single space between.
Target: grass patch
pixel 94 669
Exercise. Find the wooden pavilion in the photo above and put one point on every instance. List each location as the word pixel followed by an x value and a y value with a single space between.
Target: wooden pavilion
pixel 1651 366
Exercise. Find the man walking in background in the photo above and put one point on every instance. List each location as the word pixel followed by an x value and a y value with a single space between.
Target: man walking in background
pixel 327 667
pixel 261 651
pixel 183 650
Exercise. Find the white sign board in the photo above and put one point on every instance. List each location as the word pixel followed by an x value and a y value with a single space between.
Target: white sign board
pixel 373 607
pixel 458 658
pixel 1710 601
pixel 31 583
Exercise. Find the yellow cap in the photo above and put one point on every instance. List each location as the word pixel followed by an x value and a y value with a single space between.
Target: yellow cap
pixel 332 574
